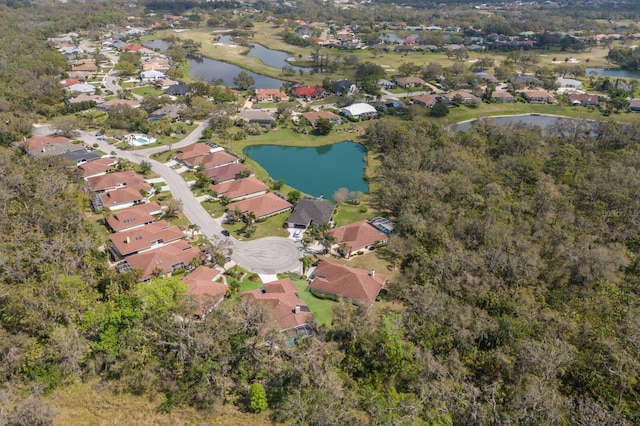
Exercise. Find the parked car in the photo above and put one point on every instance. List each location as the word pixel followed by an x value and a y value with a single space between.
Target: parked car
pixel 297 233
pixel 226 233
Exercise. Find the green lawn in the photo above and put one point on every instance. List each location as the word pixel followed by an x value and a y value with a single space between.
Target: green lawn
pixel 322 309
pixel 347 213
pixel 214 208
pixel 147 90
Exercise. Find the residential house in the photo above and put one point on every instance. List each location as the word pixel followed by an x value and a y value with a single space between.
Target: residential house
pixel 486 77
pixel 270 95
pixel 283 301
pixel 343 87
pixel 313 116
pixel 584 99
pixel 190 155
pixel 152 75
pixel 262 206
pixel 502 96
pixel 426 100
pixel 133 103
pixel 240 189
pixel 462 97
pixel 171 110
pixel 69 82
pixel 117 180
pixel 634 105
pixel 525 80
pixel 337 281
pixel 408 82
pixel 133 217
pixel 178 90
pixel 139 240
pixel 386 84
pixel 309 92
pixel 256 116
pixel 311 211
pixel 39 142
pixel 117 199
pixel 356 237
pixel 162 261
pixel 392 107
pixel 568 83
pixel 88 99
pixel 79 156
pixel 208 286
pixel 212 160
pixel 359 111
pixel 538 96
pixel 82 88
pixel 99 167
pixel 226 172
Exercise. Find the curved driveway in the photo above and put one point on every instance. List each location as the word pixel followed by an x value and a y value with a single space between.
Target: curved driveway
pixel 269 255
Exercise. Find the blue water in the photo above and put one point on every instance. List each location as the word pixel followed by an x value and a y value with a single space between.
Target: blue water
pixel 272 58
pixel 612 72
pixel 314 171
pixel 543 121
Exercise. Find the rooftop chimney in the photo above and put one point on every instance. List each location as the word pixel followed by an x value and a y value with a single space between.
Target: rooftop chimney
pixel 297 309
pixel 128 240
pixel 372 273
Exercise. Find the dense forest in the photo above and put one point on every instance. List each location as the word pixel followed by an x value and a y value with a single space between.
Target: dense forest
pixel 517 301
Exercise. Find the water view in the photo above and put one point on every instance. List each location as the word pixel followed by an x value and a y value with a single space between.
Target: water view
pixel 543 121
pixel 272 58
pixel 206 69
pixel 315 171
pixel 612 72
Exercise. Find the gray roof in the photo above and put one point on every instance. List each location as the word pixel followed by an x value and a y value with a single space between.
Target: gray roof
pixel 310 211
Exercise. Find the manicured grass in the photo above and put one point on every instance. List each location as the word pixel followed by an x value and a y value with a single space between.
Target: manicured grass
pixel 147 90
pixel 164 156
pixel 214 208
pixel 322 309
pixel 270 227
pixel 348 213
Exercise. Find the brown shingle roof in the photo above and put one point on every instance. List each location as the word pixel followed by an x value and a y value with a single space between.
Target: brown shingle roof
pixel 37 142
pixel 128 178
pixel 207 285
pixel 113 199
pixel 225 172
pixel 282 298
pixel 356 285
pixel 191 151
pixel 96 167
pixel 262 205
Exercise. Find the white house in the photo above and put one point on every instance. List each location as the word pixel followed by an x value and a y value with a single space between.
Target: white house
pixel 152 75
pixel 359 111
pixel 568 83
pixel 82 88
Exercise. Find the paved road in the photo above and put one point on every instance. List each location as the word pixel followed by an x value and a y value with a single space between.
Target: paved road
pixel 264 256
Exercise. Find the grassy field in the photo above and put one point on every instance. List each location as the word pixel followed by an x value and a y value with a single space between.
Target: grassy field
pixel 322 309
pixel 83 404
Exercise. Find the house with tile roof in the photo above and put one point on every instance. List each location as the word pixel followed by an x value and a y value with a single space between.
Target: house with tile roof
pixel 139 240
pixel 502 96
pixel 99 167
pixel 270 95
pixel 337 281
pixel 240 189
pixel 39 142
pixel 262 206
pixel 283 302
pixel 356 237
pixel 117 199
pixel 311 211
pixel 208 286
pixel 538 96
pixel 163 261
pixel 226 173
pixel 313 116
pixel 409 82
pixel 133 217
pixel 117 180
pixel 310 92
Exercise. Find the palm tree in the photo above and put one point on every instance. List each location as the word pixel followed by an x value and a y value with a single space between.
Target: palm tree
pixel 306 264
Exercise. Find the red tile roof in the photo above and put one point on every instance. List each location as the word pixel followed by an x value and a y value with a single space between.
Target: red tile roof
pixel 111 181
pixel 217 159
pixel 164 259
pixel 356 285
pixel 358 235
pixel 241 188
pixel 262 205
pixel 135 216
pixel 113 199
pixel 207 285
pixel 282 298
pixel 270 94
pixel 37 142
pixel 97 167
pixel 144 238
pixel 191 151
pixel 225 173
pixel 307 91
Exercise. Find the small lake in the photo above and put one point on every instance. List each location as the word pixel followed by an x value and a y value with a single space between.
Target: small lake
pixel 272 58
pixel 315 171
pixel 395 38
pixel 612 72
pixel 206 69
pixel 543 121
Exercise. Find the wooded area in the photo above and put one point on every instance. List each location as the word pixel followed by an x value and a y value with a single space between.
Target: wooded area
pixel 517 301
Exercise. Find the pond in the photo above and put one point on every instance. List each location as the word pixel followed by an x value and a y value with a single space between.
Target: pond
pixel 206 69
pixel 544 121
pixel 272 58
pixel 315 171
pixel 612 72
pixel 395 38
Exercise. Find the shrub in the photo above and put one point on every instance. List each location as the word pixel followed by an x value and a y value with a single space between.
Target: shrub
pixel 257 398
